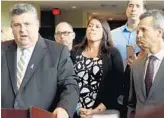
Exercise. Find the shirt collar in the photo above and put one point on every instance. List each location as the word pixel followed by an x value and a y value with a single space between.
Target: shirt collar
pixel 125 28
pixel 28 49
pixel 159 55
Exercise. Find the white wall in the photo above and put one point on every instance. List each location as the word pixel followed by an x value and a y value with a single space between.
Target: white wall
pixel 76 18
pixel 5 7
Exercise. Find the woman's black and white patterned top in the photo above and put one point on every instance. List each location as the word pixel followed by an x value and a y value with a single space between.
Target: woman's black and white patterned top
pixel 90 73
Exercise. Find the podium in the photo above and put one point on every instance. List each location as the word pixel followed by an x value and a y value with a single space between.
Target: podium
pixel 33 112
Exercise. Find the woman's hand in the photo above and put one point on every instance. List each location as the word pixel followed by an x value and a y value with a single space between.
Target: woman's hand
pixel 85 113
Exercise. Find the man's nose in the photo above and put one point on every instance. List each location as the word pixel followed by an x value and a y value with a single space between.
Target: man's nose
pixel 23 28
pixel 134 8
pixel 61 35
pixel 139 34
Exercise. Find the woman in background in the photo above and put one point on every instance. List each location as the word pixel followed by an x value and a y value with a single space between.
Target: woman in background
pixel 100 69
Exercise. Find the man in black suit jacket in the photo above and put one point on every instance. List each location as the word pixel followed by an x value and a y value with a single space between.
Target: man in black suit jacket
pixel 48 79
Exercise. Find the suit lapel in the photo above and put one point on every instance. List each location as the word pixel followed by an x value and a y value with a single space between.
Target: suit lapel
pixel 12 65
pixel 142 71
pixel 158 78
pixel 38 53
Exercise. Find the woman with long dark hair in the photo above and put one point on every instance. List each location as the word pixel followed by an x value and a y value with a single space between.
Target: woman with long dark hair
pixel 100 69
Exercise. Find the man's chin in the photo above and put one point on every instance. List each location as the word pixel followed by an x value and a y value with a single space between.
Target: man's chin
pixel 66 44
pixel 145 47
pixel 134 18
pixel 25 44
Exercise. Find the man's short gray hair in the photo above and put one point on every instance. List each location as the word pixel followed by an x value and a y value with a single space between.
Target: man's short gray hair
pixel 158 17
pixel 21 8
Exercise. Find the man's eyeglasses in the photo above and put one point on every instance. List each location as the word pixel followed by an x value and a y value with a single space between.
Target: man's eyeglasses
pixel 64 33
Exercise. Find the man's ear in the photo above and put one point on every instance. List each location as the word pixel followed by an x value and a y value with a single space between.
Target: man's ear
pixel 38 23
pixel 54 36
pixel 160 32
pixel 74 35
pixel 10 25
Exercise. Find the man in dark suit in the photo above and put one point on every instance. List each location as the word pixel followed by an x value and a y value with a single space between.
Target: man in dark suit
pixel 36 71
pixel 147 75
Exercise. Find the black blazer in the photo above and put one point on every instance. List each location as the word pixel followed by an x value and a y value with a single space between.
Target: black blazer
pixel 52 73
pixel 113 77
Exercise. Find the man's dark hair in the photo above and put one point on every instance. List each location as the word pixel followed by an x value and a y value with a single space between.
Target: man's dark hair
pixel 144 3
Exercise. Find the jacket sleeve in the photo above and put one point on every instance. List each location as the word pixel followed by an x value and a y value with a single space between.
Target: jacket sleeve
pixel 67 83
pixel 113 80
pixel 132 97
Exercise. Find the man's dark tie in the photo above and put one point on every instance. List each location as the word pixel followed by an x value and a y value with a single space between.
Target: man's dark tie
pixel 149 74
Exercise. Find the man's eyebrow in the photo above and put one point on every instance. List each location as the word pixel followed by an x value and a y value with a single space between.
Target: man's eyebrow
pixel 131 4
pixel 90 23
pixel 65 31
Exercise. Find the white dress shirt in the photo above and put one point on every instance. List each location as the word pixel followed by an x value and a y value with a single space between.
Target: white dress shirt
pixel 28 53
pixel 157 62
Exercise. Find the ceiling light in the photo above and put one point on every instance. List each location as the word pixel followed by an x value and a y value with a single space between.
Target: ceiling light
pixel 110 18
pixel 94 13
pixel 73 7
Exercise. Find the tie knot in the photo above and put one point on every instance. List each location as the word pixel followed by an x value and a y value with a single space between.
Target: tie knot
pixel 24 51
pixel 152 58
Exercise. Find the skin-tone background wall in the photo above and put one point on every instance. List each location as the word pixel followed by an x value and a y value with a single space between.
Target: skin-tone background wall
pixel 78 18
pixel 5 7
